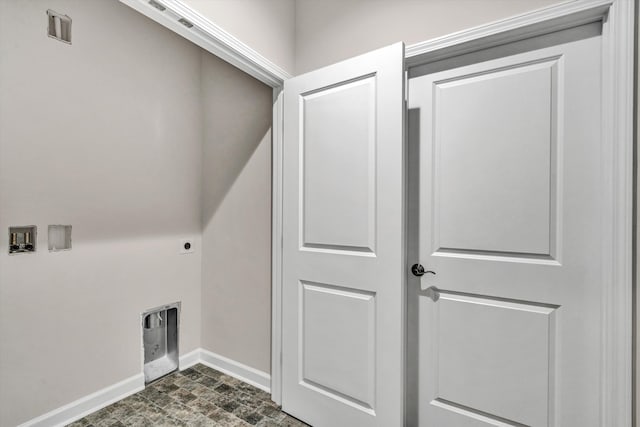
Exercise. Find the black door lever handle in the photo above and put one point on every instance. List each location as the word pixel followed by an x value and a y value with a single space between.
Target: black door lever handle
pixel 418 270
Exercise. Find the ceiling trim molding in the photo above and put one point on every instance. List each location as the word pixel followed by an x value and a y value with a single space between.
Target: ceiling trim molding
pixel 182 19
pixel 531 24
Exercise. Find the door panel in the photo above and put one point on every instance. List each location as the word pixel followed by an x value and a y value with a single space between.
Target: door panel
pixel 343 263
pixel 338 143
pixel 505 344
pixel 510 203
pixel 347 371
pixel 511 111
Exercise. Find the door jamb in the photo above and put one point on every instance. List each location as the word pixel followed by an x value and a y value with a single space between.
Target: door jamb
pixel 277 245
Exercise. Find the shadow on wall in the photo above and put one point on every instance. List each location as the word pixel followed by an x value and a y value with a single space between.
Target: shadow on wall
pixel 236 214
pixel 237 114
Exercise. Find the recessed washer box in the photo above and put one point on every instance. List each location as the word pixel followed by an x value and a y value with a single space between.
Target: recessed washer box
pixel 160 341
pixel 22 239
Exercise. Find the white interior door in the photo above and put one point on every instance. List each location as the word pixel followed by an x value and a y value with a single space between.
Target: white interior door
pixel 343 266
pixel 510 212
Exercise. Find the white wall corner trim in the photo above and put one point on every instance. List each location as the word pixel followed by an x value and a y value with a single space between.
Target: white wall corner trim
pixel 88 404
pixel 244 373
pixel 210 37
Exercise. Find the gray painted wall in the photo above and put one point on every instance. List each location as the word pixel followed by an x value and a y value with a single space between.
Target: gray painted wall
pixel 104 135
pixel 236 215
pixel 107 135
pixel 137 138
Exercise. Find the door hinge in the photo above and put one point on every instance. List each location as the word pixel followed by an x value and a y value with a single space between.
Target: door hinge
pixel 406 87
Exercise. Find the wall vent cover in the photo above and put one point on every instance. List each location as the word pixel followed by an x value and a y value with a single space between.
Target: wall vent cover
pixel 157 5
pixel 185 22
pixel 59 26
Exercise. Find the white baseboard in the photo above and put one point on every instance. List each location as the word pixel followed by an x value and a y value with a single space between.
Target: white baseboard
pixel 190 359
pixel 108 395
pixel 88 404
pixel 245 373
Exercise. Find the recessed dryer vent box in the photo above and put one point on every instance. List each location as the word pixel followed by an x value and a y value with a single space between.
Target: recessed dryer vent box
pixel 22 239
pixel 59 238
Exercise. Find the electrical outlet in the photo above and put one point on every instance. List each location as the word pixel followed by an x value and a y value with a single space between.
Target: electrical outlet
pixel 186 246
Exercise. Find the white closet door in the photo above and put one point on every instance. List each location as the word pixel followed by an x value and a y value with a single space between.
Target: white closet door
pixel 511 204
pixel 343 268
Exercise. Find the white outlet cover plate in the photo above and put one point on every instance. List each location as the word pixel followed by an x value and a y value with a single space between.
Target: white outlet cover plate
pixel 184 251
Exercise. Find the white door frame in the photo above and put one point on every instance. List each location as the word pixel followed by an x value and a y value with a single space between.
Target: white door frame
pixel 617 18
pixel 618 40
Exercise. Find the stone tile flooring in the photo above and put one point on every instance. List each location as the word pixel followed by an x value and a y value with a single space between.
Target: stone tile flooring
pixel 198 396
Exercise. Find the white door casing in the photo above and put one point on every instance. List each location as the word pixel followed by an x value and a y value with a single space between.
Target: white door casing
pixel 512 196
pixel 343 257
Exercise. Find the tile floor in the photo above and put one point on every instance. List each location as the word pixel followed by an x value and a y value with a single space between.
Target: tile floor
pixel 198 396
